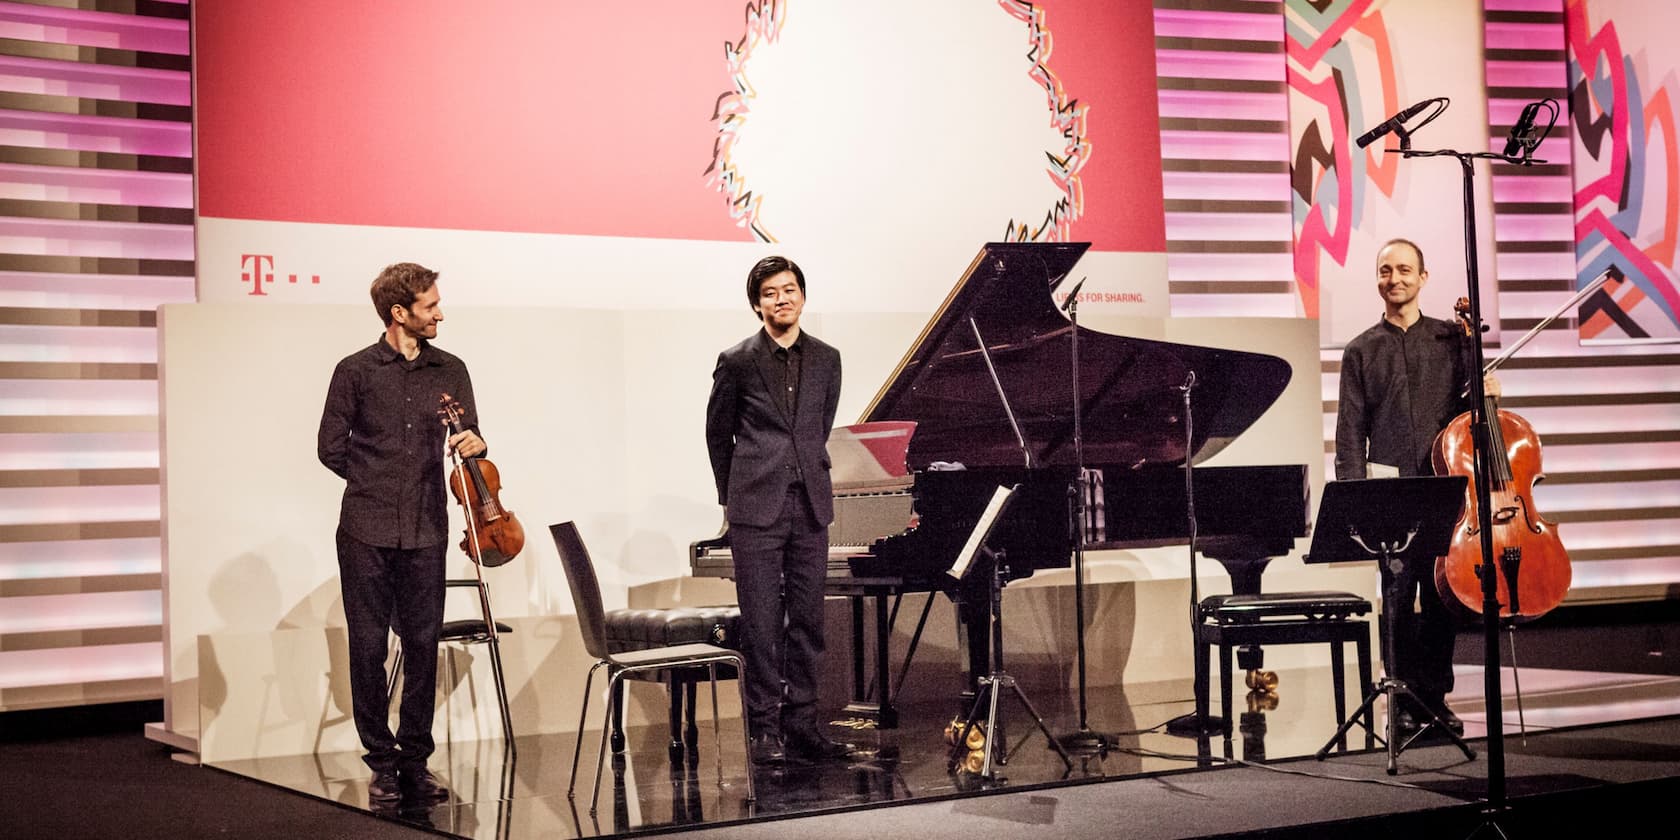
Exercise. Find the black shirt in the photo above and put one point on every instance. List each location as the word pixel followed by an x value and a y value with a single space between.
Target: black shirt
pixel 1399 389
pixel 381 433
pixel 791 358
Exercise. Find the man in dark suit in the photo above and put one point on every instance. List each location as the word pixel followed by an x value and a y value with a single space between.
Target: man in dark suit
pixel 773 401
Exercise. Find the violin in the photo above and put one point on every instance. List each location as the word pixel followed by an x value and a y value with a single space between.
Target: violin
pixel 493 535
pixel 1530 565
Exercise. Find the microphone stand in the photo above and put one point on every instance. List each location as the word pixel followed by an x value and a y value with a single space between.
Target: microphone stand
pixel 1519 150
pixel 1082 740
pixel 1193 724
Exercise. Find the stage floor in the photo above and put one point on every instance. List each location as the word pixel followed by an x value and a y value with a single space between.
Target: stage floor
pixel 498 793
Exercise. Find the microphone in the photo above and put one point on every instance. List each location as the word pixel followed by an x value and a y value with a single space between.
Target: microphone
pixel 1519 132
pixel 1395 122
pixel 1073 296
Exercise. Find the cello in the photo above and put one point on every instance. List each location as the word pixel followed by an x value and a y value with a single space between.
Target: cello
pixel 493 535
pixel 1531 566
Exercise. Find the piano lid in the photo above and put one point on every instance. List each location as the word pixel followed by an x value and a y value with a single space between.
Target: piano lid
pixel 1132 403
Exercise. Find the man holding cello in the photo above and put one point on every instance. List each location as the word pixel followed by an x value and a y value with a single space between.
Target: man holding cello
pixel 380 433
pixel 1402 381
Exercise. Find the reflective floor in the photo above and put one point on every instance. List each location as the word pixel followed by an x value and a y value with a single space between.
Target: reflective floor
pixel 498 793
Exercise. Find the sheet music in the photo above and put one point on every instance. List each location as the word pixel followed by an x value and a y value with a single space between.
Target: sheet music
pixel 981 529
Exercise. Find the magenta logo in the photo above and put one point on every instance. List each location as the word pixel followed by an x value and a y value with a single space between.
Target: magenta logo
pixel 258 269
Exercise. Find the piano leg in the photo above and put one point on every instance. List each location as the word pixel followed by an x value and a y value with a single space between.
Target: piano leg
pixel 881 707
pixel 883 635
pixel 859 699
pixel 973 622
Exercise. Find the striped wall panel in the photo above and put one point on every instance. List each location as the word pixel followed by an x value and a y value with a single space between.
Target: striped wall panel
pixel 96 231
pixel 1224 115
pixel 1607 416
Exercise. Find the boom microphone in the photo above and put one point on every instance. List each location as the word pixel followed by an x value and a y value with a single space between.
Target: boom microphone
pixel 1394 122
pixel 1519 132
pixel 1073 296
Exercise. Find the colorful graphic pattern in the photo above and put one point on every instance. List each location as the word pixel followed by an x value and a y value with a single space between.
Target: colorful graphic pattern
pixel 1329 176
pixel 764 23
pixel 1627 180
pixel 1625 175
pixel 1068 117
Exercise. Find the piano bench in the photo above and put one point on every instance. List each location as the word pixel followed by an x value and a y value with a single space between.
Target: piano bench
pixel 1280 618
pixel 641 629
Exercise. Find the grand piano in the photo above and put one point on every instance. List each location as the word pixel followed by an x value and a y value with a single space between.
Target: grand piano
pixel 985 398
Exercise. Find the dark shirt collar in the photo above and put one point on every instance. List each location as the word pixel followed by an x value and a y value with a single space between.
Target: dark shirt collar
pixel 771 346
pixel 1396 328
pixel 388 354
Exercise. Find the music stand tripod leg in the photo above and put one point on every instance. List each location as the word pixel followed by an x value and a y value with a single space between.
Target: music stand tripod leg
pixel 1397 522
pixel 1388 689
pixel 1067 761
pixel 1387 685
pixel 997 742
pixel 1363 716
pixel 1394 596
pixel 1391 689
pixel 1435 722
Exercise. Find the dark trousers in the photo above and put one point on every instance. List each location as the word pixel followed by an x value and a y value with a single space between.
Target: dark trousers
pixel 1424 634
pixel 389 589
pixel 779 574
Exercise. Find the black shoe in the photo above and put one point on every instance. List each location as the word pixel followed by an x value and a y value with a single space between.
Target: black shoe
pixel 1436 704
pixel 812 746
pixel 766 750
pixel 1406 722
pixel 383 789
pixel 1452 721
pixel 421 786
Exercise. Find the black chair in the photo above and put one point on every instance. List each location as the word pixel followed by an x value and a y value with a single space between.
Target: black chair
pixel 592 625
pixel 470 631
pixel 1280 618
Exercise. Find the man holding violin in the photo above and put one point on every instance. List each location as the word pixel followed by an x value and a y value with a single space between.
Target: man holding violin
pixel 380 433
pixel 1402 381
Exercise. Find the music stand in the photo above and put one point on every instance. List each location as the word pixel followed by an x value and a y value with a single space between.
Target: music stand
pixel 971 562
pixel 1399 522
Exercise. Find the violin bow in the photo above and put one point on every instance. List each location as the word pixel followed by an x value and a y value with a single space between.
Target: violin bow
pixel 449 412
pixel 1611 271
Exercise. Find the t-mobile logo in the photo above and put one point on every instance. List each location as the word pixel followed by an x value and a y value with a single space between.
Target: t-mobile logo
pixel 258 269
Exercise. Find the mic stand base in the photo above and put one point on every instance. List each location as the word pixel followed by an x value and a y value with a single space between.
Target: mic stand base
pixel 1082 741
pixel 1085 742
pixel 1196 725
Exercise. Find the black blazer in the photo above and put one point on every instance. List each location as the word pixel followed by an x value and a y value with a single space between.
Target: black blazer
pixel 756 449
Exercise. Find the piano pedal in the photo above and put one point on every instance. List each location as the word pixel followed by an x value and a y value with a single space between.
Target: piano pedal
pixel 1262 681
pixel 1262 701
pixel 976 735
